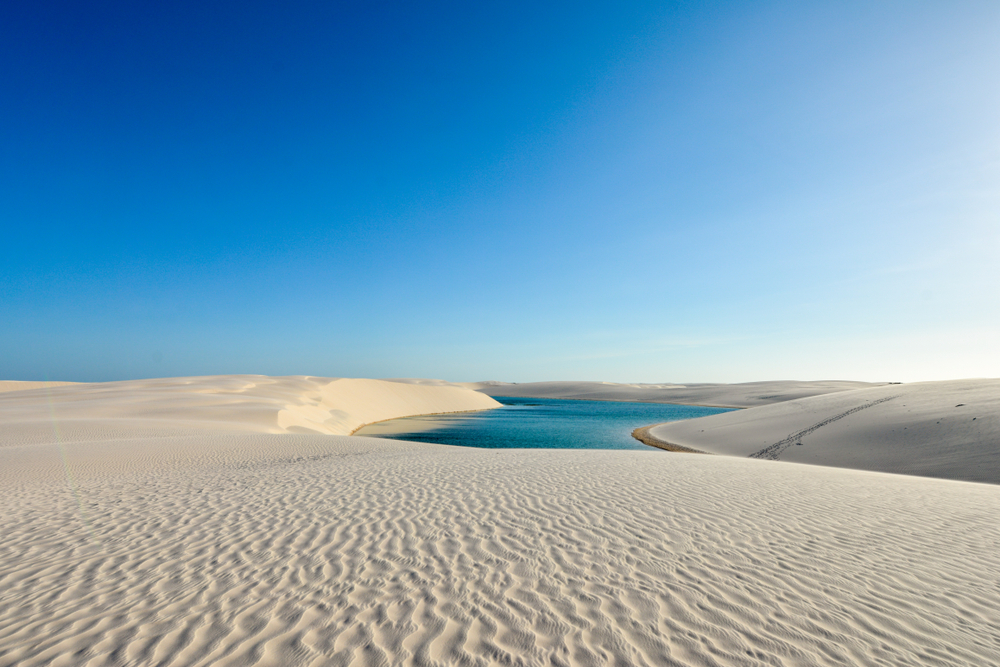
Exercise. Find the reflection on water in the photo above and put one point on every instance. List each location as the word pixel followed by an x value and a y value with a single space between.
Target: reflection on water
pixel 540 423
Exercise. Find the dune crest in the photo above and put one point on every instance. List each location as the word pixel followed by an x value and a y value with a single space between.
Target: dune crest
pixel 343 406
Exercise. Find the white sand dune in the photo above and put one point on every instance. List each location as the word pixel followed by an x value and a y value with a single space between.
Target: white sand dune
pixel 127 542
pixel 241 403
pixel 744 395
pixel 939 429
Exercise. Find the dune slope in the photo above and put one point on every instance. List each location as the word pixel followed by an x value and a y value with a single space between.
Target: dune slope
pixel 938 429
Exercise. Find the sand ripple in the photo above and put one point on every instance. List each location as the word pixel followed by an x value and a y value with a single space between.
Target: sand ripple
pixel 311 550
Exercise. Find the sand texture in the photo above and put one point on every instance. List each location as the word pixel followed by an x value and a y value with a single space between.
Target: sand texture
pixel 939 429
pixel 126 543
pixel 745 395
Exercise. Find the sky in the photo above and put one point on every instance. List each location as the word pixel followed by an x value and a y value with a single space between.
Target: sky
pixel 627 192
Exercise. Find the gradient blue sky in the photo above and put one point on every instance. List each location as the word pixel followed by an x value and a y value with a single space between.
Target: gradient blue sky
pixel 689 191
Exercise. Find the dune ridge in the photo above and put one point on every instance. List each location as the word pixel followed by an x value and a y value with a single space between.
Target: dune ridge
pixel 21 385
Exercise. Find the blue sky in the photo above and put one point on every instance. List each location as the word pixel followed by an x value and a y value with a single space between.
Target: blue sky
pixel 639 192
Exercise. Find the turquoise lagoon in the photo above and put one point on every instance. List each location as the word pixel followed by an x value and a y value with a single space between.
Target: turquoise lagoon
pixel 546 423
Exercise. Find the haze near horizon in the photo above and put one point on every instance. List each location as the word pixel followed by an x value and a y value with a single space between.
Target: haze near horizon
pixel 640 192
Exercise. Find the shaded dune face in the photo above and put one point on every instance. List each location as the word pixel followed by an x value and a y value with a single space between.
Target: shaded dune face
pixel 939 429
pixel 306 550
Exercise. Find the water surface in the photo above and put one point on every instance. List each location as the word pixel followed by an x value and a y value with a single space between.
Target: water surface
pixel 547 423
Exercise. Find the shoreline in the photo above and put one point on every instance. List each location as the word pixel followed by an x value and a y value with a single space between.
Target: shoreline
pixel 425 414
pixel 643 435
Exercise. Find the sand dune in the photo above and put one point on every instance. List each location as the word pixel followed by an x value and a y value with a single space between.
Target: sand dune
pixel 239 403
pixel 218 544
pixel 939 429
pixel 745 395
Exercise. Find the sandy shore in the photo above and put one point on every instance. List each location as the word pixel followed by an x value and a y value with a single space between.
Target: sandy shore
pixel 642 435
pixel 130 541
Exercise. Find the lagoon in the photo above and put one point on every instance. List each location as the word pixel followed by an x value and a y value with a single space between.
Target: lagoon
pixel 539 423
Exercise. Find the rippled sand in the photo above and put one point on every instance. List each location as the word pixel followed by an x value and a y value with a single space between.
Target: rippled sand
pixel 161 547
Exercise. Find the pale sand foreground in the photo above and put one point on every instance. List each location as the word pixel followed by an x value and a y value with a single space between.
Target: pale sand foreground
pixel 743 395
pixel 131 542
pixel 939 429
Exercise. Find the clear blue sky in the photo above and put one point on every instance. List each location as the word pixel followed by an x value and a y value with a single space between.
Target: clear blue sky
pixel 647 192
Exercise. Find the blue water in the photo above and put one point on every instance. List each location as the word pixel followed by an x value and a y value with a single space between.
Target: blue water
pixel 540 423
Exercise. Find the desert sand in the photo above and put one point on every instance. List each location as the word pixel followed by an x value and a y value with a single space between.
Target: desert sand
pixel 744 395
pixel 939 429
pixel 182 522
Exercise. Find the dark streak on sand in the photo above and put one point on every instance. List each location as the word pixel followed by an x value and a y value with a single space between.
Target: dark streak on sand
pixel 643 435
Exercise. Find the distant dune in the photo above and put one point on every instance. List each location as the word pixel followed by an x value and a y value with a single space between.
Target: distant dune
pixel 214 521
pixel 745 395
pixel 938 429
pixel 16 385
